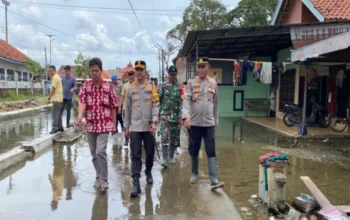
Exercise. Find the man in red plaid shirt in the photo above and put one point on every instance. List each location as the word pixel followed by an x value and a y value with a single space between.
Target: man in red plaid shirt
pixel 98 103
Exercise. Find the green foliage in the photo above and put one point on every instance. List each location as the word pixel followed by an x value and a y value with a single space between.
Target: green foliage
pixel 252 13
pixel 34 67
pixel 82 70
pixel 11 96
pixel 212 14
pixel 200 15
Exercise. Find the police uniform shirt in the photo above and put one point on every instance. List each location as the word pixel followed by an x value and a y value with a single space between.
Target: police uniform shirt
pixel 200 103
pixel 141 106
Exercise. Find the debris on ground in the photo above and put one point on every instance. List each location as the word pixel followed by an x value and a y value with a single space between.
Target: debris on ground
pixel 12 106
pixel 67 137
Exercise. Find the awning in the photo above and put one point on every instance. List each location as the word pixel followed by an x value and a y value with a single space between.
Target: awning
pixel 333 44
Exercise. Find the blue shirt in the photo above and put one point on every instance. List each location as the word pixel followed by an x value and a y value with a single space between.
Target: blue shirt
pixel 68 84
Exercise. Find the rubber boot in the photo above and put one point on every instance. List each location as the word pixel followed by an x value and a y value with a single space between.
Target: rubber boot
pixel 126 142
pixel 136 190
pixel 171 155
pixel 194 170
pixel 215 184
pixel 165 149
pixel 149 178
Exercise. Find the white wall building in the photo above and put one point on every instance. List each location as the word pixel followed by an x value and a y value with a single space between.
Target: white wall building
pixel 13 72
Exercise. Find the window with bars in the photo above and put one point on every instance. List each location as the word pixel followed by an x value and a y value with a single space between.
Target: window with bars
pixel 19 75
pixel 2 74
pixel 25 76
pixel 287 88
pixel 10 75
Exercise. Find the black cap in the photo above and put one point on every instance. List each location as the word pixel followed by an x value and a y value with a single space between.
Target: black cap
pixel 202 61
pixel 172 69
pixel 67 67
pixel 140 64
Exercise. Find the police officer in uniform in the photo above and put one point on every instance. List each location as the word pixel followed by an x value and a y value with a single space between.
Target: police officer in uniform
pixel 141 118
pixel 200 114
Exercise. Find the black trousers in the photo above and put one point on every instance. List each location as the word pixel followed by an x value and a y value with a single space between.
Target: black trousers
pixel 196 135
pixel 136 152
pixel 120 119
pixel 67 103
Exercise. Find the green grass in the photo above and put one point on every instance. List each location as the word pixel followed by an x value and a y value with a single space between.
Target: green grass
pixel 11 96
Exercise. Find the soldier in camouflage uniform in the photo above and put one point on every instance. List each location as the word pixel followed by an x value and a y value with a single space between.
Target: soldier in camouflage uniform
pixel 170 116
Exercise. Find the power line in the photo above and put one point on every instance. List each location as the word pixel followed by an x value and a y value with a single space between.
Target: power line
pixel 108 12
pixel 138 21
pixel 87 51
pixel 40 23
pixel 92 7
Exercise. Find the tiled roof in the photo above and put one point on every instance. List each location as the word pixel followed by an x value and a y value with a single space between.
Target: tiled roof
pixel 9 52
pixel 333 9
pixel 106 75
pixel 126 70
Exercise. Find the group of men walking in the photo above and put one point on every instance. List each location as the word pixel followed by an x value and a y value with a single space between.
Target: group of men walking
pixel 145 106
pixel 61 95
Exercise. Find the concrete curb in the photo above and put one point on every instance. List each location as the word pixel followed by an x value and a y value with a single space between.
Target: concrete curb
pixel 23 112
pixel 12 157
pixel 25 151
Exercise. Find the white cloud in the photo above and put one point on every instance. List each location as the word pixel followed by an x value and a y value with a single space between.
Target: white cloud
pixel 124 22
pixel 32 12
pixel 98 40
pixel 84 20
pixel 166 22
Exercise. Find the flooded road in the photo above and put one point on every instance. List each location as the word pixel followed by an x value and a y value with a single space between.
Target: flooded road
pixel 15 132
pixel 58 184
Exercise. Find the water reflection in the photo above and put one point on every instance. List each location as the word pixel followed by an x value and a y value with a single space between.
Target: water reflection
pixel 62 176
pixel 14 132
pixel 100 207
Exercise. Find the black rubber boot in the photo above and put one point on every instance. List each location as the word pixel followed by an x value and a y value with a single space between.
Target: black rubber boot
pixel 165 150
pixel 215 183
pixel 136 190
pixel 194 175
pixel 149 178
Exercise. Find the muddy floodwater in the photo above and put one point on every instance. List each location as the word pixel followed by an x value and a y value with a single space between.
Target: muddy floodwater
pixel 14 132
pixel 58 183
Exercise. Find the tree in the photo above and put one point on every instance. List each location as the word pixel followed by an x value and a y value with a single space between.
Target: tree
pixel 37 71
pixel 83 69
pixel 252 13
pixel 199 15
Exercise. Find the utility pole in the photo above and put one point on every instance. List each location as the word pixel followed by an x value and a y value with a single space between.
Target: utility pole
pixel 46 73
pixel 159 65
pixel 162 65
pixel 51 40
pixel 6 3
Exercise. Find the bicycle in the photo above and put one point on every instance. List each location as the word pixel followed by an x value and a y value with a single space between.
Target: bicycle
pixel 340 124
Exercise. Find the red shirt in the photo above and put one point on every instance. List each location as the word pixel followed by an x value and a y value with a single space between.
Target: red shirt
pixel 99 104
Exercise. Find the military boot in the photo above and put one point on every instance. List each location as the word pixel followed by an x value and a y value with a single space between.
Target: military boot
pixel 215 183
pixel 194 170
pixel 165 149
pixel 136 190
pixel 171 156
pixel 149 178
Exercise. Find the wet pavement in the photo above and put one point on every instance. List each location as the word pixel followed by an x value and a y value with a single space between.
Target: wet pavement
pixel 58 184
pixel 15 132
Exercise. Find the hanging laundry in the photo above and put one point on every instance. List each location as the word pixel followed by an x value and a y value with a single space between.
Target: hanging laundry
pixel 237 79
pixel 245 69
pixel 275 76
pixel 266 73
pixel 257 71
pixel 340 78
pixel 331 96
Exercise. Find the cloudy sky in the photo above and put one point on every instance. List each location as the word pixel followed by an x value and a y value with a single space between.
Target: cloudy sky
pixel 106 28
